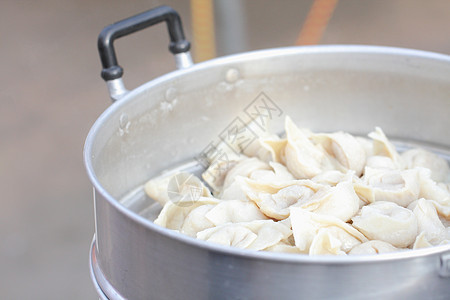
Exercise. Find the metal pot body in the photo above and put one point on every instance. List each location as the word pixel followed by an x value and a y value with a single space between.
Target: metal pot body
pixel 173 118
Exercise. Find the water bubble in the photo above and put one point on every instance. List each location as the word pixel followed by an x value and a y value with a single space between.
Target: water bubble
pixel 232 75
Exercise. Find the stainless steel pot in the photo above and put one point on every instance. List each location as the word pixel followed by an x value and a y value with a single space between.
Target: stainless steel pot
pixel 170 120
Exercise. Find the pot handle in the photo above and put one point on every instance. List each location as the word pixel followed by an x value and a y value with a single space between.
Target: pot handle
pixel 112 72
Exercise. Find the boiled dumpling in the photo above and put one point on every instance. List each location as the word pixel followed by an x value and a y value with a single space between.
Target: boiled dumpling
pixel 244 168
pixel 387 221
pixel 421 241
pixel 274 201
pixel 194 222
pixel 373 247
pixel 182 187
pixel 382 146
pixel 255 235
pixel 429 189
pixel 333 177
pixel 276 148
pixel 344 148
pixel 234 211
pixel 173 216
pixel 367 145
pixel 221 159
pixel 400 187
pixel 324 243
pixel 305 226
pixel 339 201
pixel 304 159
pixel 422 158
pixel 257 170
pixel 428 221
pixel 286 245
pixel 278 175
pixel 381 162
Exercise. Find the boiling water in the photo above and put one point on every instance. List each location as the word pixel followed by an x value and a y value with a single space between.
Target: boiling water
pixel 138 201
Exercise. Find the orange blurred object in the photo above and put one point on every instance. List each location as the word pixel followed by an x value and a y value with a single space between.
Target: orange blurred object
pixel 202 14
pixel 316 22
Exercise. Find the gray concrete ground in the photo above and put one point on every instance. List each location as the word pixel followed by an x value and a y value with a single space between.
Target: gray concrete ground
pixel 51 93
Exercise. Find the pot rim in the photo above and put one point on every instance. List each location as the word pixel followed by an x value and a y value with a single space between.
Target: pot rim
pixel 245 253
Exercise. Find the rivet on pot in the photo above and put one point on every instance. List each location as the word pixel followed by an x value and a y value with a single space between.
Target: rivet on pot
pixel 232 75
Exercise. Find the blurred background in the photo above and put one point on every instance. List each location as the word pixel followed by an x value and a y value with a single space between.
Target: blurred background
pixel 51 93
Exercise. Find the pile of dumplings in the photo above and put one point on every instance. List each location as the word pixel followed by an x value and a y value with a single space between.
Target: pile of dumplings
pixel 314 193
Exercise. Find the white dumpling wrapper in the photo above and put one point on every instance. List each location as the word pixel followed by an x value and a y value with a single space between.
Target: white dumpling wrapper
pixel 400 187
pixel 428 221
pixel 173 216
pixel 276 148
pixel 344 148
pixel 429 189
pixel 324 243
pixel 381 162
pixel 373 247
pixel 244 168
pixel 421 242
pixel 426 159
pixel 339 201
pixel 255 235
pixel 382 146
pixel 333 177
pixel 306 225
pixel 234 211
pixel 274 201
pixel 158 188
pixel 387 221
pixel 304 159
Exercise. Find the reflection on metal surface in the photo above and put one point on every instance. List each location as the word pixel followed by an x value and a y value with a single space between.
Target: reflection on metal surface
pixel 104 289
pixel 116 89
pixel 183 60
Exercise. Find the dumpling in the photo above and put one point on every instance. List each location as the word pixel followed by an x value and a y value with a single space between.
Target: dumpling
pixel 388 222
pixel 426 159
pixel 367 145
pixel 173 216
pixel 276 148
pixel 273 173
pixel 278 175
pixel 244 168
pixel 429 189
pixel 421 241
pixel 382 146
pixel 324 243
pixel 286 245
pixel 304 159
pixel 428 221
pixel 180 187
pixel 195 220
pixel 332 177
pixel 339 201
pixel 274 201
pixel 234 211
pixel 373 247
pixel 221 159
pixel 306 225
pixel 255 235
pixel 344 148
pixel 400 187
pixel 381 162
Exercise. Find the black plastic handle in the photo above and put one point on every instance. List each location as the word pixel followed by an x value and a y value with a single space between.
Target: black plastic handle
pixel 178 44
